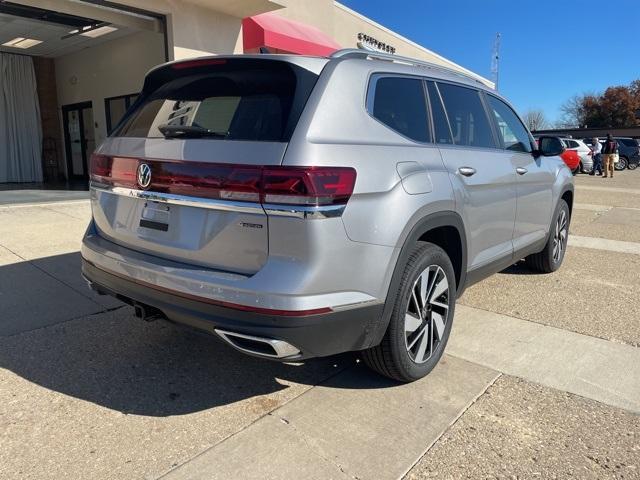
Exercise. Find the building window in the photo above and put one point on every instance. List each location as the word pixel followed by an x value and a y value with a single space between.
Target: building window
pixel 116 107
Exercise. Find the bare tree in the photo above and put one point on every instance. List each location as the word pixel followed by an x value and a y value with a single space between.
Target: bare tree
pixel 536 120
pixel 571 112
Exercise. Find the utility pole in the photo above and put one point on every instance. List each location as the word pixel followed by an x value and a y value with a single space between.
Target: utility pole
pixel 495 61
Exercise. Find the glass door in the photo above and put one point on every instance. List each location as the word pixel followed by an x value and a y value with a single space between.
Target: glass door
pixel 79 138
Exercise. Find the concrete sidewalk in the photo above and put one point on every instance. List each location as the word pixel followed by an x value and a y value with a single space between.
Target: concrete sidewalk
pixel 522 430
pixel 591 367
pixel 16 196
pixel 356 425
pixel 359 426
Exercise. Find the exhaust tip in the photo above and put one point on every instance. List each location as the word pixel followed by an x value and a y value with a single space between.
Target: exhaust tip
pixel 146 312
pixel 260 346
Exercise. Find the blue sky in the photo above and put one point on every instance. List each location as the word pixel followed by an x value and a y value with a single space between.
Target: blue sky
pixel 551 50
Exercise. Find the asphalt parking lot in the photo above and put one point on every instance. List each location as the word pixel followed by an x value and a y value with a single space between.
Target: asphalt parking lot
pixel 541 378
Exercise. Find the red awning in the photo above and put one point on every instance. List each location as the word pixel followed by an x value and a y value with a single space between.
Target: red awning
pixel 281 35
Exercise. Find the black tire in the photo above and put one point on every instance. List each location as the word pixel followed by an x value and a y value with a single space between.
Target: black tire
pixel 581 167
pixel 546 261
pixel 632 166
pixel 393 357
pixel 621 165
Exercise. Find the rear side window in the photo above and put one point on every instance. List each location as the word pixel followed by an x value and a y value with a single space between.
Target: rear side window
pixel 400 104
pixel 440 123
pixel 243 100
pixel 468 120
pixel 513 133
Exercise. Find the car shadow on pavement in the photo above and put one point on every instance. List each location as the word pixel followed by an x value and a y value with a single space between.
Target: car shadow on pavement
pixel 520 268
pixel 155 369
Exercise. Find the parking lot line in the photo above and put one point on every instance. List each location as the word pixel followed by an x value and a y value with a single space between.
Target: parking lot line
pixel 356 425
pixel 632 191
pixel 592 207
pixel 591 367
pixel 604 244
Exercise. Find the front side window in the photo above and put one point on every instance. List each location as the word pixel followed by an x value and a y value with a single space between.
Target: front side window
pixel 467 118
pixel 400 104
pixel 513 133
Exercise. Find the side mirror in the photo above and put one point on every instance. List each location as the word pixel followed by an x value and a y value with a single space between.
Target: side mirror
pixel 549 147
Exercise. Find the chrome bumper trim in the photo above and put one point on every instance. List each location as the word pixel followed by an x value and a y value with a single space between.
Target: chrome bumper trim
pixel 309 212
pixel 304 211
pixel 199 202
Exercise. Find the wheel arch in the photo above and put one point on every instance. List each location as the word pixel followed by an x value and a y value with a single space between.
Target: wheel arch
pixel 567 196
pixel 445 229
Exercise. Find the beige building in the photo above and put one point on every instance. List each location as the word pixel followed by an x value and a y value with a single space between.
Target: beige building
pixel 88 60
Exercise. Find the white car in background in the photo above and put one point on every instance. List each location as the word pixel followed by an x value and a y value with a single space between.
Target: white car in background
pixel 584 152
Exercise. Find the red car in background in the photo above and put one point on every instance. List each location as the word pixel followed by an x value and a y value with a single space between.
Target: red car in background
pixel 572 159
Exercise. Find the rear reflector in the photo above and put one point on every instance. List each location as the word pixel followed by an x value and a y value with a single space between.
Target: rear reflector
pixel 313 186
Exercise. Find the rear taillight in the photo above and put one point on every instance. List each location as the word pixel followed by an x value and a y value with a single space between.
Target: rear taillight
pixel 245 183
pixel 120 171
pixel 100 166
pixel 226 182
pixel 308 185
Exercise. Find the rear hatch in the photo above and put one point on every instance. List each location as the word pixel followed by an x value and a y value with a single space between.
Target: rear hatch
pixel 180 176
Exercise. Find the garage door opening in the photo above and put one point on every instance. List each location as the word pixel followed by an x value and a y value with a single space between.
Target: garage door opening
pixel 66 81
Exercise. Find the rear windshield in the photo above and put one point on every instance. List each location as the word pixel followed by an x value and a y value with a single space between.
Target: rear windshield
pixel 241 100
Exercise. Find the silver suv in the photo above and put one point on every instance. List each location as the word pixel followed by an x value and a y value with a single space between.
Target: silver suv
pixel 300 207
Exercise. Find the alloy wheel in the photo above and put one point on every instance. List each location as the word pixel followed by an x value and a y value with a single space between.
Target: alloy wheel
pixel 560 236
pixel 427 313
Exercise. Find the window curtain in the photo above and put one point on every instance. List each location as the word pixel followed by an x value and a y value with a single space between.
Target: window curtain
pixel 20 125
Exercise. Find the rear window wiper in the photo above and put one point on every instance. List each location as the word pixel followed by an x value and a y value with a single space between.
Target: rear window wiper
pixel 189 131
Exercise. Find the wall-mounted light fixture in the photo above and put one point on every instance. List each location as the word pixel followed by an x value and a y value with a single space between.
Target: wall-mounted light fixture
pixel 93 31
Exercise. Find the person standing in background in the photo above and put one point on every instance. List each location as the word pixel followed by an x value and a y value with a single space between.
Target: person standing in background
pixel 608 155
pixel 597 156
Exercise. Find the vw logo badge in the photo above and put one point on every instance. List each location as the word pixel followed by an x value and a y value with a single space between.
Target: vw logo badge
pixel 144 175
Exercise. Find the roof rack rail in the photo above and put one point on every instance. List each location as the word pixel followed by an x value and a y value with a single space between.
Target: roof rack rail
pixel 358 53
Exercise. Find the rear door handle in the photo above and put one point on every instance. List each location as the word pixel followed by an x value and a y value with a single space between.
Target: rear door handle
pixel 521 171
pixel 466 171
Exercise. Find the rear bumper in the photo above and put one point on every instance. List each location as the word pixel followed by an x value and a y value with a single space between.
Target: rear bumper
pixel 313 335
